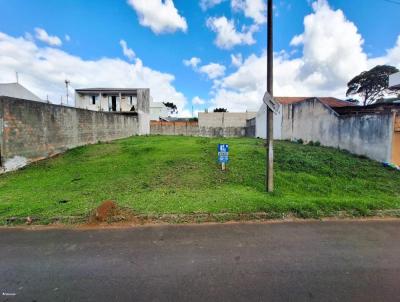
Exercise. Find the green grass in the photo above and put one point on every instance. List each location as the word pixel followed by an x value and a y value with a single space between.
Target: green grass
pixel 180 175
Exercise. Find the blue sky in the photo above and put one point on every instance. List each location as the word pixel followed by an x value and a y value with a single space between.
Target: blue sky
pixel 96 27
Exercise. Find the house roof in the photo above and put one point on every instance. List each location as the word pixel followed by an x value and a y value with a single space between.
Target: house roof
pixel 16 90
pixel 329 101
pixel 370 109
pixel 108 90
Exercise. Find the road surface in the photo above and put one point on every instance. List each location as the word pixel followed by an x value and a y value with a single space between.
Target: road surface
pixel 307 261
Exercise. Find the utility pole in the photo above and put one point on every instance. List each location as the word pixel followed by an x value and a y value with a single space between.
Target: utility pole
pixel 17 77
pixel 66 85
pixel 269 179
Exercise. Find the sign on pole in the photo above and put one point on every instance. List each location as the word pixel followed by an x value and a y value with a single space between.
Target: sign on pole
pixel 271 103
pixel 223 155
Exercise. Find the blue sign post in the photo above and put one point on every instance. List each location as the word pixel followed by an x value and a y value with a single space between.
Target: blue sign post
pixel 223 155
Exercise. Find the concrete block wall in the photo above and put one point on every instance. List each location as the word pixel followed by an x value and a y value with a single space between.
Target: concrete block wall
pixel 251 127
pixel 30 131
pixel 222 131
pixel 310 121
pixel 370 135
pixel 143 108
pixel 194 129
pixel 225 119
pixel 174 128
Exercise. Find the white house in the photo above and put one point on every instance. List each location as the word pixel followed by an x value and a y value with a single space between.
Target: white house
pixel 16 90
pixel 394 80
pixel 111 99
pixel 261 119
pixel 158 110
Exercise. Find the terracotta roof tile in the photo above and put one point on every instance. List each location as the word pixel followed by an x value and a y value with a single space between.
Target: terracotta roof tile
pixel 329 101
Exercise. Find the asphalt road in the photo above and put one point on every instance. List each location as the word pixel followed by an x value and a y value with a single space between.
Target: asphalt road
pixel 314 261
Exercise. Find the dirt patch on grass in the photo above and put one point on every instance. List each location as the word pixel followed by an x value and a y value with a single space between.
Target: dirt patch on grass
pixel 110 212
pixel 104 212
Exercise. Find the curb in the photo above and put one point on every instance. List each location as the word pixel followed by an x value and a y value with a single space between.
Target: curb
pixel 198 218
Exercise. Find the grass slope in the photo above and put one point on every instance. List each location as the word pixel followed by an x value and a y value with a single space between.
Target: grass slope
pixel 178 175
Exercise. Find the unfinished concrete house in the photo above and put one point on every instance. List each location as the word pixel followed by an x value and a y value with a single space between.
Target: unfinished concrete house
pixel 111 99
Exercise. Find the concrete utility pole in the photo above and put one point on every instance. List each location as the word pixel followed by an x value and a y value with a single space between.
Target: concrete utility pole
pixel 66 85
pixel 269 180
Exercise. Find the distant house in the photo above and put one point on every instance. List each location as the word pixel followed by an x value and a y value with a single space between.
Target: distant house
pixel 111 99
pixel 394 80
pixel 16 90
pixel 158 111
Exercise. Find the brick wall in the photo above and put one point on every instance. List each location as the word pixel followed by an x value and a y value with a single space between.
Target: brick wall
pixel 30 131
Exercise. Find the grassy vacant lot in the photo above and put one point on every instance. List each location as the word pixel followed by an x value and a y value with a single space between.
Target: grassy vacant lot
pixel 153 175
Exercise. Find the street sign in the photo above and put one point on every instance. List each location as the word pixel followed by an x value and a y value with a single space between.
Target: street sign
pixel 223 153
pixel 270 102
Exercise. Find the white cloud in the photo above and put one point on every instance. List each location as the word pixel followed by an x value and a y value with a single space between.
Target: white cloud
pixel 67 38
pixel 237 60
pixel 332 54
pixel 297 40
pixel 392 57
pixel 393 54
pixel 193 62
pixel 198 101
pixel 160 15
pixel 213 70
pixel 43 36
pixel 254 9
pixel 332 47
pixel 227 34
pixel 129 53
pixel 44 69
pixel 206 4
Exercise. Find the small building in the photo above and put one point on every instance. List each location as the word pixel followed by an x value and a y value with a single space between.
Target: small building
pixel 111 99
pixel 17 91
pixel 117 100
pixel 394 80
pixel 372 131
pixel 158 110
pixel 284 104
